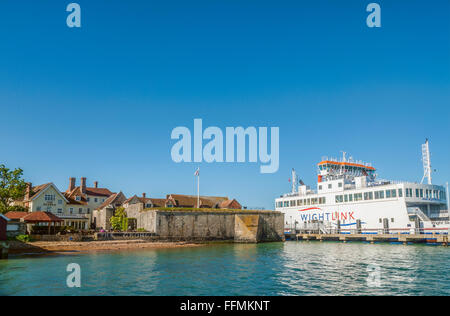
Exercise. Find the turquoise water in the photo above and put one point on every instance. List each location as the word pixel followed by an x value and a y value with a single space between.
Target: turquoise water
pixel 291 268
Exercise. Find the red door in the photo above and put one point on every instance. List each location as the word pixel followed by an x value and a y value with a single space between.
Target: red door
pixel 2 228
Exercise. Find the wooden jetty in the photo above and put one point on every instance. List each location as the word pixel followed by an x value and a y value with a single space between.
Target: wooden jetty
pixel 372 238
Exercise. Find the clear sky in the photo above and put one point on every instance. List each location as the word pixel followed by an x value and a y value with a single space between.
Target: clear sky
pixel 101 101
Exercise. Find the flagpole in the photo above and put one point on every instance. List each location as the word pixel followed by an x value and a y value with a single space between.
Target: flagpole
pixel 198 190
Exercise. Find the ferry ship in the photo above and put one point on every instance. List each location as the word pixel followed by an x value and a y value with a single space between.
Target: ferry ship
pixel 350 199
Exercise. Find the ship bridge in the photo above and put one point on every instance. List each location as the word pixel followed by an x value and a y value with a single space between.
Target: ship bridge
pixel 330 168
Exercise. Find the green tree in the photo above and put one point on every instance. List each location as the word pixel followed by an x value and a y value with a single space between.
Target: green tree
pixel 12 187
pixel 119 221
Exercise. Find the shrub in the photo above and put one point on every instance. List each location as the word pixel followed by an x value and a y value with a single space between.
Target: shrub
pixel 23 238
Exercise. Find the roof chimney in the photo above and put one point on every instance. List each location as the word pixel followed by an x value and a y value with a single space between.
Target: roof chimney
pixel 96 184
pixel 71 184
pixel 83 185
pixel 28 191
pixel 143 195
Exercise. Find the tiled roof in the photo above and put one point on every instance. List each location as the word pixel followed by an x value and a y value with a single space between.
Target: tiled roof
pixel 72 200
pixel 16 215
pixel 40 217
pixel 98 191
pixel 129 200
pixel 158 202
pixel 90 191
pixel 228 204
pixel 37 189
pixel 115 198
pixel 191 200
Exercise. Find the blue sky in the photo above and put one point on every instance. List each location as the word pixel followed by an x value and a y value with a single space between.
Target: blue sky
pixel 101 101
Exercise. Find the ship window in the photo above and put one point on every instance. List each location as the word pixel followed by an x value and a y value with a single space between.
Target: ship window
pixel 388 194
pixel 346 198
pixel 377 195
pixel 394 193
pixel 392 220
pixel 421 193
pixel 380 220
pixel 308 202
pixel 340 184
pixel 400 193
pixel 299 202
pixel 320 187
pixel 292 203
pixel 350 197
pixel 329 186
pixel 417 192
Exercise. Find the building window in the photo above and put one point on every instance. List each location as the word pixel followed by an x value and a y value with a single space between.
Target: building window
pixel 88 199
pixel 320 187
pixel 49 197
pixel 59 202
pixel 71 210
pixel 78 198
pixel 392 220
pixel 88 211
pixel 38 208
pixel 60 211
pixel 80 211
pixel 95 200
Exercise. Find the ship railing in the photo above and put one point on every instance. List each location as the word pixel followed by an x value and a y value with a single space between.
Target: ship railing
pixel 416 211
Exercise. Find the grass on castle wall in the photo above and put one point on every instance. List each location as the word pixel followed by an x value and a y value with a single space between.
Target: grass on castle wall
pixel 204 210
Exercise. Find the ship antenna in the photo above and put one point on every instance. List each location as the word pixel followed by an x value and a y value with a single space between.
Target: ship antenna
pixel 294 180
pixel 426 162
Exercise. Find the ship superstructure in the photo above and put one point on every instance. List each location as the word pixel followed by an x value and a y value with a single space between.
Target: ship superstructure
pixel 350 198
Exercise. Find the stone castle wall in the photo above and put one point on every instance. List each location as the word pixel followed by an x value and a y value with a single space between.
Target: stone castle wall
pixel 239 226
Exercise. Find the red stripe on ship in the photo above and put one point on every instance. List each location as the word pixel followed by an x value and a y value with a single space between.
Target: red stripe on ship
pixel 311 208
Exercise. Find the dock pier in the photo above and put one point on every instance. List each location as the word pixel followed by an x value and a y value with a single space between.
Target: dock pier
pixel 372 238
pixel 4 249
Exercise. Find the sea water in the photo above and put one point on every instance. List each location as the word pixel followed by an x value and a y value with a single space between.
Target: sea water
pixel 290 268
